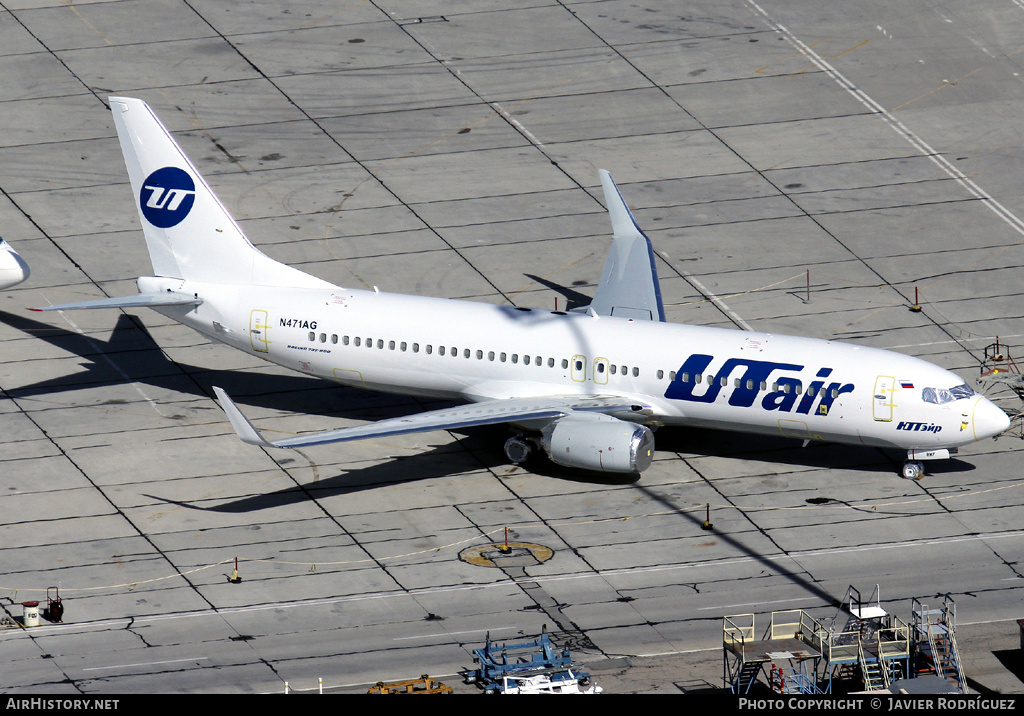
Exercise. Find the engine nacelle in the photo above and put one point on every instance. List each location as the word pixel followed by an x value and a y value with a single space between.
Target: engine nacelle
pixel 594 441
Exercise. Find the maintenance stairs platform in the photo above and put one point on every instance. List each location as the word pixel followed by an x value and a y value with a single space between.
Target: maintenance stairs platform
pixel 799 654
pixel 786 655
pixel 935 636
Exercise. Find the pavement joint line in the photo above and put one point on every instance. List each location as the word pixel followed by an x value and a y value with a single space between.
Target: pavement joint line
pixel 919 144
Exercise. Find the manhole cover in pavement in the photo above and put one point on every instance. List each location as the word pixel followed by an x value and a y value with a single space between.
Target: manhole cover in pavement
pixel 520 554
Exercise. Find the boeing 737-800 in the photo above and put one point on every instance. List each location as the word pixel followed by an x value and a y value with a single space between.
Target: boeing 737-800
pixel 587 387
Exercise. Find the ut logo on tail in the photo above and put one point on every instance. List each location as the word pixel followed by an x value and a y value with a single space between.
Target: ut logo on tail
pixel 167 196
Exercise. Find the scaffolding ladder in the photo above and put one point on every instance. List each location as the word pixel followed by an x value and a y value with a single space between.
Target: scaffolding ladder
pixel 935 634
pixel 873 669
pixel 872 641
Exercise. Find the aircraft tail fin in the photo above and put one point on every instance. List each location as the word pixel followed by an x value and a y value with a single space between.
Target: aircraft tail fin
pixel 189 233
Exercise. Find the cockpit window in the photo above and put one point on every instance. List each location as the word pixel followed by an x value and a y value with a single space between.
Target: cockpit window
pixel 941 396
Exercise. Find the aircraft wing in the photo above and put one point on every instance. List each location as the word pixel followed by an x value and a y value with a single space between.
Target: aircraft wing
pixel 515 410
pixel 629 285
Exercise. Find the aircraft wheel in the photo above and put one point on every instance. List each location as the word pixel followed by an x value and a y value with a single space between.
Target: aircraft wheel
pixel 913 470
pixel 517 449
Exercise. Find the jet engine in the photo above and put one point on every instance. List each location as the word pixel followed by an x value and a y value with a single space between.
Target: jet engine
pixel 594 441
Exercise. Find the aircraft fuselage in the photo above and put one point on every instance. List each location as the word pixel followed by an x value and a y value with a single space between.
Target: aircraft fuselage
pixel 720 378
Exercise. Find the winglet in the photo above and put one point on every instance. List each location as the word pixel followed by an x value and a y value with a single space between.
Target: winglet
pixel 245 430
pixel 629 286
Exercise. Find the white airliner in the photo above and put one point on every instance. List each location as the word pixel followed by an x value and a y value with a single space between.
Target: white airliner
pixel 587 387
pixel 13 269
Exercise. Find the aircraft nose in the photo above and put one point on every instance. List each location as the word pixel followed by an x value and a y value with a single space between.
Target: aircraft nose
pixel 989 420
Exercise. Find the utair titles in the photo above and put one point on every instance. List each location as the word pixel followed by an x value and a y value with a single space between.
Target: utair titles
pixel 787 394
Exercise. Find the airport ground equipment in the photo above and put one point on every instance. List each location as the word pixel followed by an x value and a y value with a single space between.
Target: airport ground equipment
pixel 54 611
pixel 800 654
pixel 563 682
pixel 785 654
pixel 422 685
pixel 935 643
pixel 536 657
pixel 872 642
pixel 999 367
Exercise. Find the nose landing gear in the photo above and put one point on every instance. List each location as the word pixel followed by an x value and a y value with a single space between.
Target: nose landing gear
pixel 913 470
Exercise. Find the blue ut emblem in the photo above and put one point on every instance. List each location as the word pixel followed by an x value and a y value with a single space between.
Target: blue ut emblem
pixel 167 196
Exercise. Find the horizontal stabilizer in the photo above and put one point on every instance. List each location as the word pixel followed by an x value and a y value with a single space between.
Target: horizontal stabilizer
pixel 518 410
pixel 629 286
pixel 143 300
